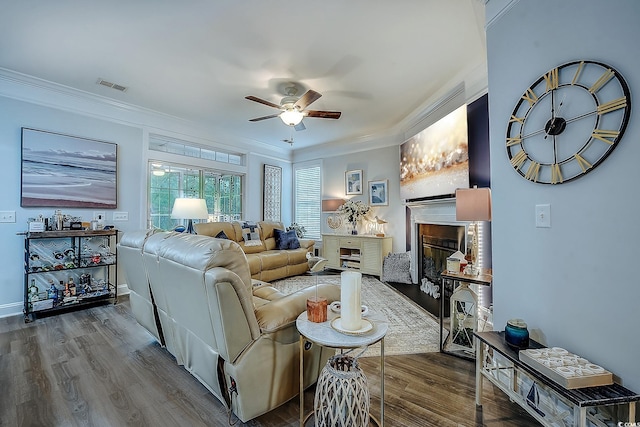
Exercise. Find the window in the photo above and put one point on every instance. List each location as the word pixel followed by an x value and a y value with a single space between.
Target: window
pixel 182 148
pixel 223 193
pixel 307 180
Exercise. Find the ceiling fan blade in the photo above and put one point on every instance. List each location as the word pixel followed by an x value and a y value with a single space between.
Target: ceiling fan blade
pixel 300 126
pixel 257 119
pixel 262 101
pixel 306 99
pixel 323 114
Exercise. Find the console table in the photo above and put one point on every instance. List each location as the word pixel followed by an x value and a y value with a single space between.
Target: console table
pixel 323 334
pixel 362 252
pixel 554 405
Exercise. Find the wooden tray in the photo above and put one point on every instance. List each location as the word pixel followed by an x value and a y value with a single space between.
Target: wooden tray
pixel 574 371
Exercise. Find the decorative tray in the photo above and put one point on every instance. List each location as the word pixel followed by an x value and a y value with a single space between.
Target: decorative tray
pixel 569 370
pixel 366 327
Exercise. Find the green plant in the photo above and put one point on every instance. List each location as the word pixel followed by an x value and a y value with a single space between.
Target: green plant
pixel 298 228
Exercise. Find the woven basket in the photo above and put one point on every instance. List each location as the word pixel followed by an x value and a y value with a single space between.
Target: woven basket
pixel 342 394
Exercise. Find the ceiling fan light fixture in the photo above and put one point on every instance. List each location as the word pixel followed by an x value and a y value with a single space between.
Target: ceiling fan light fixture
pixel 291 116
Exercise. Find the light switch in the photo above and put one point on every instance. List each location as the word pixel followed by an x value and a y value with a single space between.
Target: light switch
pixel 543 216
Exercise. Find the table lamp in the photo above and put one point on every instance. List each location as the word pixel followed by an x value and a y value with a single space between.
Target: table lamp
pixel 473 204
pixel 331 205
pixel 185 208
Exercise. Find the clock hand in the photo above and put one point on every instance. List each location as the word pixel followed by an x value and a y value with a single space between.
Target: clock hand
pixel 534 133
pixel 553 124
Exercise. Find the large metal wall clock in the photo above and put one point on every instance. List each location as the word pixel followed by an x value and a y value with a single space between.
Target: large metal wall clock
pixel 568 122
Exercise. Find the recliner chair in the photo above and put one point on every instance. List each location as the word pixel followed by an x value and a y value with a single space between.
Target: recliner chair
pixel 240 341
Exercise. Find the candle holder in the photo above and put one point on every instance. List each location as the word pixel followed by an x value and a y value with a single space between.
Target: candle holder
pixel 316 305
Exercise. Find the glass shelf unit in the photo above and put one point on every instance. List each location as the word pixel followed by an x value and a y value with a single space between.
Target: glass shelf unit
pixel 68 269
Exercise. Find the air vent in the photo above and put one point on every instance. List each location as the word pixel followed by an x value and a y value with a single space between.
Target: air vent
pixel 112 85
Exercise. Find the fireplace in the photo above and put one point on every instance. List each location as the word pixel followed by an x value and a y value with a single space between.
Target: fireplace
pixel 437 243
pixel 435 235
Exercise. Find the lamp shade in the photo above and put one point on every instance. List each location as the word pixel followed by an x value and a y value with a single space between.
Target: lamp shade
pixel 331 205
pixel 185 208
pixel 473 204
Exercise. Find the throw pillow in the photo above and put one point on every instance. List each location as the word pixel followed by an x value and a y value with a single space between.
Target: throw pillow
pixel 286 239
pixel 222 235
pixel 250 234
pixel 397 268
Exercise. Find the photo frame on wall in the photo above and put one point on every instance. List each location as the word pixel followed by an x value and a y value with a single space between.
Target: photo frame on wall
pixel 271 196
pixel 353 182
pixel 67 171
pixel 379 193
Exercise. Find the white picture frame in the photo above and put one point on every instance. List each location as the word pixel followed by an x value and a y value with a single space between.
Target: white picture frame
pixel 379 193
pixel 353 182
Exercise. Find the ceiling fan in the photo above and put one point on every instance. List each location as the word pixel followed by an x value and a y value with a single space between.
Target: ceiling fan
pixel 292 108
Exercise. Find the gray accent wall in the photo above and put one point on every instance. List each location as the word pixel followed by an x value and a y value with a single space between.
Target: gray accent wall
pixel 575 283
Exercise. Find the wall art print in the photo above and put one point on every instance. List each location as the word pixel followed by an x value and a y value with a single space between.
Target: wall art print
pixel 379 193
pixel 353 182
pixel 272 193
pixel 67 171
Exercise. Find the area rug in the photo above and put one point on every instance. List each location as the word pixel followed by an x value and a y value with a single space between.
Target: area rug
pixel 411 328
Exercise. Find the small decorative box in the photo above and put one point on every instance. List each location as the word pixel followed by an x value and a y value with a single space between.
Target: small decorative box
pixel 42 305
pixel 36 226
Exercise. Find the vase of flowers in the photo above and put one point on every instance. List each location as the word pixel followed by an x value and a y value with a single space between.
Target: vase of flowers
pixel 354 211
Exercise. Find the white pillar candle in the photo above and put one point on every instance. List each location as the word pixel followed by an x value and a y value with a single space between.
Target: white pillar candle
pixel 350 308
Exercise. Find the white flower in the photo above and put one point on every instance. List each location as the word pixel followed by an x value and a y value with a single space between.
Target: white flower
pixel 354 210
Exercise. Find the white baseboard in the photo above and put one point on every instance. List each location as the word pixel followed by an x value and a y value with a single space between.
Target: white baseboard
pixel 11 309
pixel 15 308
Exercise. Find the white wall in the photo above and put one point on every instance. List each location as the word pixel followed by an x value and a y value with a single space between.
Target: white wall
pixel 567 281
pixel 131 181
pixel 378 164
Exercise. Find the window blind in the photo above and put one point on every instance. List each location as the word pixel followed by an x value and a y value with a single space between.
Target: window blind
pixel 307 199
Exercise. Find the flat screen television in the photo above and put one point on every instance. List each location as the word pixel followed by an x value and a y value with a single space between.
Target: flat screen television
pixel 434 162
pixel 67 171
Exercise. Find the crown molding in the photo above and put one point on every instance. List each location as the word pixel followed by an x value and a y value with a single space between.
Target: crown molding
pixel 41 92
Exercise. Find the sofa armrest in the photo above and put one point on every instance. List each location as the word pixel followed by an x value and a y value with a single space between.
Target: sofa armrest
pixel 306 243
pixel 283 312
pixel 267 292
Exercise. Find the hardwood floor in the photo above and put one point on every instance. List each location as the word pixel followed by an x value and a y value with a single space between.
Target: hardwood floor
pixel 98 367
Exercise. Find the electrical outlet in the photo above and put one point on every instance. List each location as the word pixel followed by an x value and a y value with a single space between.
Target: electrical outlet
pixel 121 216
pixel 7 216
pixel 99 216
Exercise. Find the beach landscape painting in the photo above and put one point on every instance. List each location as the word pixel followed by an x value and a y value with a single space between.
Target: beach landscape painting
pixel 67 171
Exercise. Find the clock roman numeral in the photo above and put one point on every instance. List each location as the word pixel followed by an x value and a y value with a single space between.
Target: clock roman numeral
pixel 576 76
pixel 604 78
pixel 552 80
pixel 584 165
pixel 556 174
pixel 514 119
pixel 514 141
pixel 610 106
pixel 603 134
pixel 530 97
pixel 533 171
pixel 518 160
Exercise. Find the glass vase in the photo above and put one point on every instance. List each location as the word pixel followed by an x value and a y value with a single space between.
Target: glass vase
pixel 354 228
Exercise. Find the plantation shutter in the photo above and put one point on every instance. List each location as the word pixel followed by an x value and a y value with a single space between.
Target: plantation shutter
pixel 307 199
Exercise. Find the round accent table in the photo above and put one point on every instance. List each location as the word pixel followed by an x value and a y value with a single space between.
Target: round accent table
pixel 325 335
